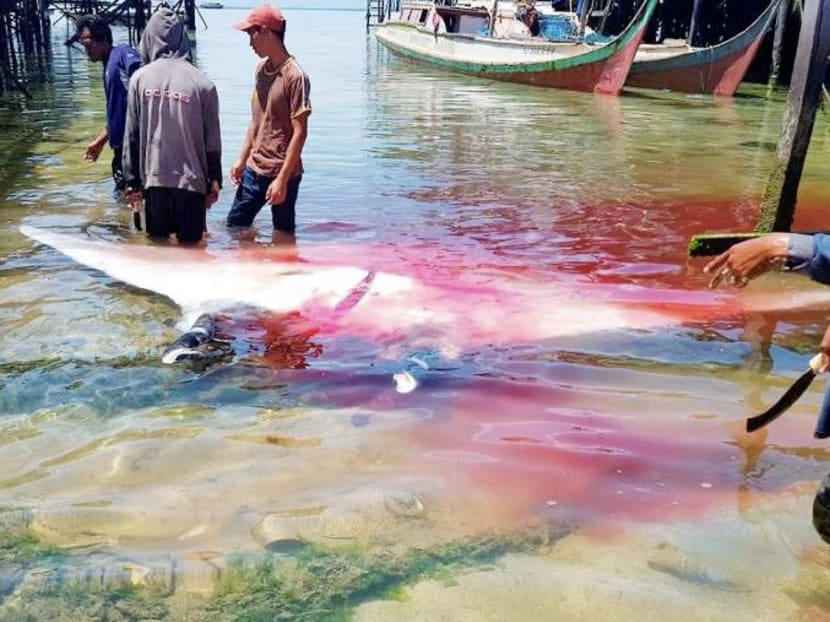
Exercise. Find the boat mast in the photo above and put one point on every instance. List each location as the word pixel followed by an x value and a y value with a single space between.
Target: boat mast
pixel 693 21
pixel 585 8
pixel 492 23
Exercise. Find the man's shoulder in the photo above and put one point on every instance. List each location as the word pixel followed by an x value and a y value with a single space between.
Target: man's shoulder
pixel 138 73
pixel 294 70
pixel 125 53
pixel 170 73
pixel 148 74
pixel 201 79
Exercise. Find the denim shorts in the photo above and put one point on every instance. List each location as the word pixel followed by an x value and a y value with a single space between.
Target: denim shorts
pixel 250 197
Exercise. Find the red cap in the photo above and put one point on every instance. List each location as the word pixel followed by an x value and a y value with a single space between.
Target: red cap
pixel 264 16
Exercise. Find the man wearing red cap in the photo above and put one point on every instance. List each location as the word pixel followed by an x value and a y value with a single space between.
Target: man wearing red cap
pixel 269 168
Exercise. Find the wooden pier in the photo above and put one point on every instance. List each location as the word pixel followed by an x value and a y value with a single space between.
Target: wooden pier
pixel 131 14
pixel 24 43
pixel 25 39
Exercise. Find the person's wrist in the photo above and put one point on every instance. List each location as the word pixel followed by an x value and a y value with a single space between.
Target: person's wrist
pixel 779 249
pixel 781 244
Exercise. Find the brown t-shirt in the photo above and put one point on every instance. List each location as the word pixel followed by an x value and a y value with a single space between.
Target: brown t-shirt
pixel 279 96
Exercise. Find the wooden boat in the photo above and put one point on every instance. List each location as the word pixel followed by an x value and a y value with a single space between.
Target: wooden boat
pixel 457 38
pixel 717 69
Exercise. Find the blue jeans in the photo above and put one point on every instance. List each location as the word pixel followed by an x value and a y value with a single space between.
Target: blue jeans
pixel 250 197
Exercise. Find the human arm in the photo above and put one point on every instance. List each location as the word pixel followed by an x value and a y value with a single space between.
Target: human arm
pixel 213 145
pixel 744 261
pixel 238 167
pixel 299 102
pixel 751 258
pixel 93 149
pixel 131 156
pixel 278 189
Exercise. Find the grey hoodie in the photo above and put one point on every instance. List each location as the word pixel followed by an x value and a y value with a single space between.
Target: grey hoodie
pixel 172 137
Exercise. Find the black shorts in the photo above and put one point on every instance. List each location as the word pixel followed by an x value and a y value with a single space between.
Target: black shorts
pixel 173 210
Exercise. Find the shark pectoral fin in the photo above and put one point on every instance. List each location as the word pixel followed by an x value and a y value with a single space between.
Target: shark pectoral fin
pixel 176 355
pixel 186 347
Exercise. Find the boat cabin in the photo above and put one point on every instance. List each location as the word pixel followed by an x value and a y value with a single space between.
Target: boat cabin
pixel 449 17
pixel 467 20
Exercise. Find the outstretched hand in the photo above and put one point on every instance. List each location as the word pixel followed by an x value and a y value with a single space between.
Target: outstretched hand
pixel 237 169
pixel 93 150
pixel 277 191
pixel 748 260
pixel 135 198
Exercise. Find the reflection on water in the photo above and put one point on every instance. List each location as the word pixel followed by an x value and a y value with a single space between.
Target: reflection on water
pixel 596 465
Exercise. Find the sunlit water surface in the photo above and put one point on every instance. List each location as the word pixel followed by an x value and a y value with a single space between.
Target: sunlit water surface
pixel 523 207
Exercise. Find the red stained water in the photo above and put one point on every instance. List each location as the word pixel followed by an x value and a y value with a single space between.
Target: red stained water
pixel 536 434
pixel 534 450
pixel 515 207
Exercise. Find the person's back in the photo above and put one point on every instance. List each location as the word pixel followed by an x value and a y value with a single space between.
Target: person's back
pixel 173 137
pixel 175 98
pixel 176 101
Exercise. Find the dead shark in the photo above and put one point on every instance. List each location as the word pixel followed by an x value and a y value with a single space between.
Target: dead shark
pixel 378 305
pixel 205 280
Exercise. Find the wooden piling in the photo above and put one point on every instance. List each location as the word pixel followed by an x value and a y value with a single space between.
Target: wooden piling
pixel 24 48
pixel 190 14
pixel 779 199
pixel 777 46
pixel 778 203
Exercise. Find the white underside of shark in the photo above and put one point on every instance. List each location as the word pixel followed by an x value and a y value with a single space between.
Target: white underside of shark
pixel 202 280
pixel 353 300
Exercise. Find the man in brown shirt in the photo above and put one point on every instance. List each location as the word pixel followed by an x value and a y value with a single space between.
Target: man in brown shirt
pixel 269 168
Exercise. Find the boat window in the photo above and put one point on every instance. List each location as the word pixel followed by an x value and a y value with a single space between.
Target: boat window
pixel 464 20
pixel 472 24
pixel 423 18
pixel 450 20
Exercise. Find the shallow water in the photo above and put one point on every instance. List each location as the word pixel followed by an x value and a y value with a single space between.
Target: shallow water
pixel 528 215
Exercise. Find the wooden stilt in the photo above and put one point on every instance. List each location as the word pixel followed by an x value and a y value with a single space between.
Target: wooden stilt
pixel 779 200
pixel 693 21
pixel 190 14
pixel 778 204
pixel 777 45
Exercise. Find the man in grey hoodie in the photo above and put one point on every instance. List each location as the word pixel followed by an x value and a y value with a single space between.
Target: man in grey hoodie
pixel 172 145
